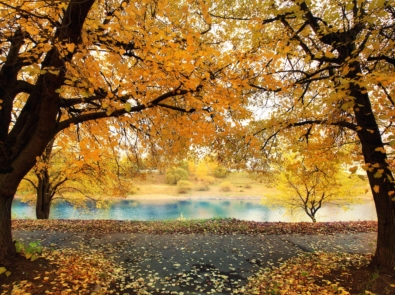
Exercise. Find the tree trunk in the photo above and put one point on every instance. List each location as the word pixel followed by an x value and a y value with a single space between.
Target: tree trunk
pixel 26 139
pixel 44 186
pixel 7 246
pixel 43 204
pixel 379 175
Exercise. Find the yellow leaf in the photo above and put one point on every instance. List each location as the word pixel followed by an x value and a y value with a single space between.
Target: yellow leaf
pixel 128 107
pixel 379 173
pixel 380 149
pixel 70 47
pixel 376 189
pixel 34 257
pixel 2 269
pixel 54 72
pixel 353 169
pixel 347 105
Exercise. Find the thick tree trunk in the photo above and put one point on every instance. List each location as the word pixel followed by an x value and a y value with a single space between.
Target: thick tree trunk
pixel 26 139
pixel 43 204
pixel 7 246
pixel 379 175
pixel 42 212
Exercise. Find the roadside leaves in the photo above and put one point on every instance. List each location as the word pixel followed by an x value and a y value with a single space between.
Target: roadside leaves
pixel 198 257
pixel 303 274
pixel 76 272
pixel 214 226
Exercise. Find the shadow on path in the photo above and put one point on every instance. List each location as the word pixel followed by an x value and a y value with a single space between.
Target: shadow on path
pixel 196 263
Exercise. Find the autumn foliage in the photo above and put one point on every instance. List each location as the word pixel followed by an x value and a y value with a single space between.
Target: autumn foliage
pixel 179 75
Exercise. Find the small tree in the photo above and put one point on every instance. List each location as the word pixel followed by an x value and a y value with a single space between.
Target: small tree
pixel 74 175
pixel 202 169
pixel 306 184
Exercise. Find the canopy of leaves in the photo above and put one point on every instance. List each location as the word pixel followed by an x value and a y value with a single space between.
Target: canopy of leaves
pixel 167 78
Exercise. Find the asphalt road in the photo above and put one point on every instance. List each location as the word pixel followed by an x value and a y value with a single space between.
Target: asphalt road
pixel 198 263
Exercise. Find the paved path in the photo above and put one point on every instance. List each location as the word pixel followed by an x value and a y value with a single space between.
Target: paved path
pixel 198 264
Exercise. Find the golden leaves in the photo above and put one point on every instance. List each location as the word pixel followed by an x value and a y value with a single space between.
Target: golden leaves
pixel 303 274
pixel 353 169
pixel 70 47
pixel 3 270
pixel 128 107
pixel 380 149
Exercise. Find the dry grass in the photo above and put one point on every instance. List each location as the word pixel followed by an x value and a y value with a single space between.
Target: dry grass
pixel 241 186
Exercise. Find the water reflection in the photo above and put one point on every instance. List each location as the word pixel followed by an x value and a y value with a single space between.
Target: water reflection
pixel 165 209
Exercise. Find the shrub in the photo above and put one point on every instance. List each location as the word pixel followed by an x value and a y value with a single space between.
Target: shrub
pixel 220 172
pixel 184 186
pixel 225 186
pixel 203 187
pixel 175 174
pixel 209 179
pixel 248 185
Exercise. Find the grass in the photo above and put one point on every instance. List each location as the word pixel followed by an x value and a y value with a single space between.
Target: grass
pixel 242 185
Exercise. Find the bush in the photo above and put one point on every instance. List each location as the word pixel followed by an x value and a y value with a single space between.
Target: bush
pixel 225 186
pixel 209 179
pixel 175 174
pixel 248 185
pixel 184 186
pixel 220 172
pixel 203 187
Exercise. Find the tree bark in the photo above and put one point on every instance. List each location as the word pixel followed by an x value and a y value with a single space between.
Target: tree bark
pixel 44 197
pixel 379 175
pixel 44 185
pixel 7 246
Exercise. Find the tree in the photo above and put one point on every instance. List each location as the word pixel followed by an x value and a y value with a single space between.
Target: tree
pixel 76 176
pixel 308 182
pixel 328 74
pixel 155 67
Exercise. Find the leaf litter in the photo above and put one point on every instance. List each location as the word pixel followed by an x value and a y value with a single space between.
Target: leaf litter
pixel 98 266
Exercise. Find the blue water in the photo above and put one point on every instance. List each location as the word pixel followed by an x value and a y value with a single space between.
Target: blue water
pixel 167 209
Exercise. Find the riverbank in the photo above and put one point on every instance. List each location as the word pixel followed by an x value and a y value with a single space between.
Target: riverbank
pixel 242 186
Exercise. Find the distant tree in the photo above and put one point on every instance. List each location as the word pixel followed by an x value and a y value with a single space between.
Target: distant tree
pixel 66 173
pixel 202 169
pixel 307 184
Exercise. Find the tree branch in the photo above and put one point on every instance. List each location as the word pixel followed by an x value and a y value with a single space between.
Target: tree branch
pixel 382 57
